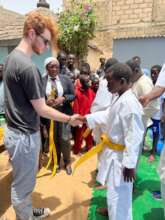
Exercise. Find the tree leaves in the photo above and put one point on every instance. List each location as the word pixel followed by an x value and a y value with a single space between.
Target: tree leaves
pixel 77 26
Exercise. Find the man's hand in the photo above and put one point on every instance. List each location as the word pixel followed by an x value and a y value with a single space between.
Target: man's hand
pixel 76 120
pixel 129 174
pixel 144 100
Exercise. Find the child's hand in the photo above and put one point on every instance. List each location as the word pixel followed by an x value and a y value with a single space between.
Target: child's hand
pixel 75 120
pixel 129 174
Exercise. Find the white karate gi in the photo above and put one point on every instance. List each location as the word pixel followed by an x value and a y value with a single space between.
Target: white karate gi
pixel 103 97
pixel 123 121
pixel 102 101
pixel 161 169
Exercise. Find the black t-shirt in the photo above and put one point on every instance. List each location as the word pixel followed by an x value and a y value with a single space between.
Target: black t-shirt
pixel 22 83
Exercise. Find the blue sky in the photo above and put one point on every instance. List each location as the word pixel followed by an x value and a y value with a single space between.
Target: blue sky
pixel 23 6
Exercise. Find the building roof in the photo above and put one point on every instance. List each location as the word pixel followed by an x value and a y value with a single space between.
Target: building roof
pixel 46 12
pixel 11 23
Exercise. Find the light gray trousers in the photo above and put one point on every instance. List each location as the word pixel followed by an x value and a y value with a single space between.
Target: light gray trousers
pixel 119 197
pixel 24 154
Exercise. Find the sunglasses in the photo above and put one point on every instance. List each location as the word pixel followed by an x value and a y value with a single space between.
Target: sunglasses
pixel 46 41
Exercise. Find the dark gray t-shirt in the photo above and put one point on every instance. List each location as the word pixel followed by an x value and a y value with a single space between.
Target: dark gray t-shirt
pixel 22 83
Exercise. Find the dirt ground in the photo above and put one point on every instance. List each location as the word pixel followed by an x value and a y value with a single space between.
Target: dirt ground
pixel 68 197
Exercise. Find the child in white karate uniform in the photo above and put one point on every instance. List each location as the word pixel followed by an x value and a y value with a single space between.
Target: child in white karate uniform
pixel 124 126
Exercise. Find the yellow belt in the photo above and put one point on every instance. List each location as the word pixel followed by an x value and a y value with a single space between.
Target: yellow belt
pixel 52 149
pixel 105 141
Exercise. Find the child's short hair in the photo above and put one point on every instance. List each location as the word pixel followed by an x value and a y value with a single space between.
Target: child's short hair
pixel 135 67
pixel 109 63
pixel 38 22
pixel 136 58
pixel 120 70
pixel 158 67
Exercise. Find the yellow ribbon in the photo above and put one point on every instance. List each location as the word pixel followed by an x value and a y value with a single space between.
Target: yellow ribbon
pixel 1 135
pixel 52 146
pixel 86 132
pixel 105 141
pixel 52 149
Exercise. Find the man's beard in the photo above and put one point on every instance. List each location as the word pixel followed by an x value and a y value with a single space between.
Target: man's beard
pixel 36 49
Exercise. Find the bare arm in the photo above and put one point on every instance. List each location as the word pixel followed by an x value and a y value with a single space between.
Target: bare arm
pixel 45 111
pixel 156 92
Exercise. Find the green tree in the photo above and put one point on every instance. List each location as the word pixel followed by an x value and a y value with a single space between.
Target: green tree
pixel 76 27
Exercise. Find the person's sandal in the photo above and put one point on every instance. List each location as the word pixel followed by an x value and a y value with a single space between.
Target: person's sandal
pixel 40 213
pixel 151 158
pixel 99 187
pixel 68 170
pixel 102 211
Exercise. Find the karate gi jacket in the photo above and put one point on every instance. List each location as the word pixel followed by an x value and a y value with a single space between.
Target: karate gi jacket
pixel 124 125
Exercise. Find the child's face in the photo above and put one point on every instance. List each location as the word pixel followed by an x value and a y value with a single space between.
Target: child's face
pixel 84 72
pixel 154 74
pixel 85 82
pixel 114 85
pixel 63 59
pixel 71 60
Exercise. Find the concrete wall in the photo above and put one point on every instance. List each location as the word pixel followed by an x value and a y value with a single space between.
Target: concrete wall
pixel 127 19
pixel 131 11
pixel 151 50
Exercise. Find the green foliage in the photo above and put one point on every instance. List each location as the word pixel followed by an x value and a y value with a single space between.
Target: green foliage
pixel 77 26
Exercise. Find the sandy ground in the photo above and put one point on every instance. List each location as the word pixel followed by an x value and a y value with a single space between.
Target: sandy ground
pixel 68 197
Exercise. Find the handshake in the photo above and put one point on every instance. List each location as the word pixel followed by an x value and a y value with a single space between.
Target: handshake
pixel 77 120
